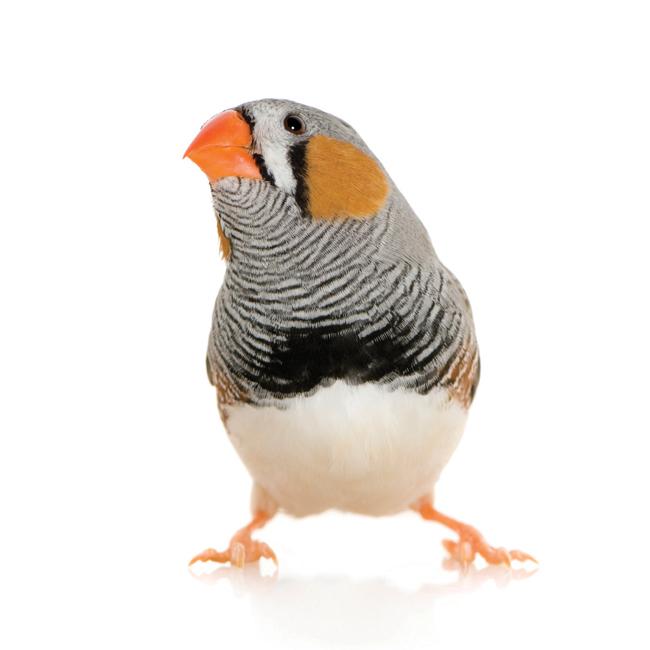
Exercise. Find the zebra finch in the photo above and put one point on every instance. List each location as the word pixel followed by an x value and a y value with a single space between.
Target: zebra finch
pixel 342 351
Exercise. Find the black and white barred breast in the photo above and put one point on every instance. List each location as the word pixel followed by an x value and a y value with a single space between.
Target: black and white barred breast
pixel 305 303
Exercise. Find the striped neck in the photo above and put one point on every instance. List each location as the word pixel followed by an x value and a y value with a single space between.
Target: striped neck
pixel 268 232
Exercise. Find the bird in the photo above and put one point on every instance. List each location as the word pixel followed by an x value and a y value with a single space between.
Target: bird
pixel 343 352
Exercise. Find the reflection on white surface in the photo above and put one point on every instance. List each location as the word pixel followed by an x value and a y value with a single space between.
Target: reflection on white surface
pixel 337 610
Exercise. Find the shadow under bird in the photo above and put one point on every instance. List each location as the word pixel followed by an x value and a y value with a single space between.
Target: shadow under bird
pixel 342 351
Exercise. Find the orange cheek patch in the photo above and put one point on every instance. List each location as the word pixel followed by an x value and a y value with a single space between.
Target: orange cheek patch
pixel 342 181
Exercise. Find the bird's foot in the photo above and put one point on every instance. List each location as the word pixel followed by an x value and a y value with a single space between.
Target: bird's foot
pixel 470 541
pixel 242 548
pixel 238 553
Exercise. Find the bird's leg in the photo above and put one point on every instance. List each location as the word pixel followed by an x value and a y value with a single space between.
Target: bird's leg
pixel 470 541
pixel 242 548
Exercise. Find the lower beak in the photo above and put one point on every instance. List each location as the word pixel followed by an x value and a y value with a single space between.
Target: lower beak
pixel 222 148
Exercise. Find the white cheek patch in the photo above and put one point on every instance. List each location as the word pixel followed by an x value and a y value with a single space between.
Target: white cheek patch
pixel 277 162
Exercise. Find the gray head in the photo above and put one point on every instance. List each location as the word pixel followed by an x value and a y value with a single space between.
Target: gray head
pixel 279 166
pixel 315 157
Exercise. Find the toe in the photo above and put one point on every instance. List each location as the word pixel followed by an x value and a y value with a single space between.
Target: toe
pixel 466 553
pixel 238 554
pixel 462 551
pixel 504 556
pixel 522 557
pixel 209 555
pixel 267 552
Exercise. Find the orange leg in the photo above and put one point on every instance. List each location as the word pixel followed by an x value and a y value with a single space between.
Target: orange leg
pixel 470 541
pixel 242 547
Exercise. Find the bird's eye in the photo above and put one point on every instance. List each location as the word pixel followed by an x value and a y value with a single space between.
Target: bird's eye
pixel 294 124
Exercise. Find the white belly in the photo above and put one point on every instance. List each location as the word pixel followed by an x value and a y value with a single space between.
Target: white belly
pixel 356 448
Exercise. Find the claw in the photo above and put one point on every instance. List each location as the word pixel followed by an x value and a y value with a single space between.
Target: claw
pixel 267 552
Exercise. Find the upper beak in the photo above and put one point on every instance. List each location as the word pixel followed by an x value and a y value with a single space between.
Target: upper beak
pixel 222 148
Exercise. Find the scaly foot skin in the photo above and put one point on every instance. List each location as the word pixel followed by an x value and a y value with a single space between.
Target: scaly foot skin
pixel 470 541
pixel 242 549
pixel 238 553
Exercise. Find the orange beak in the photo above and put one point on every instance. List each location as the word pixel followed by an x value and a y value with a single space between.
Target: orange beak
pixel 222 148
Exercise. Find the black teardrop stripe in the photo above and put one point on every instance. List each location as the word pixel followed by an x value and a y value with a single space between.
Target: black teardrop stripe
pixel 259 159
pixel 298 160
pixel 248 116
pixel 261 165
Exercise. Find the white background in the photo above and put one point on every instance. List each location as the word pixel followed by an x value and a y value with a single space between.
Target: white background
pixel 519 132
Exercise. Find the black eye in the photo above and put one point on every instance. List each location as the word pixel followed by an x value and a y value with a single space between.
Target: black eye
pixel 294 124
